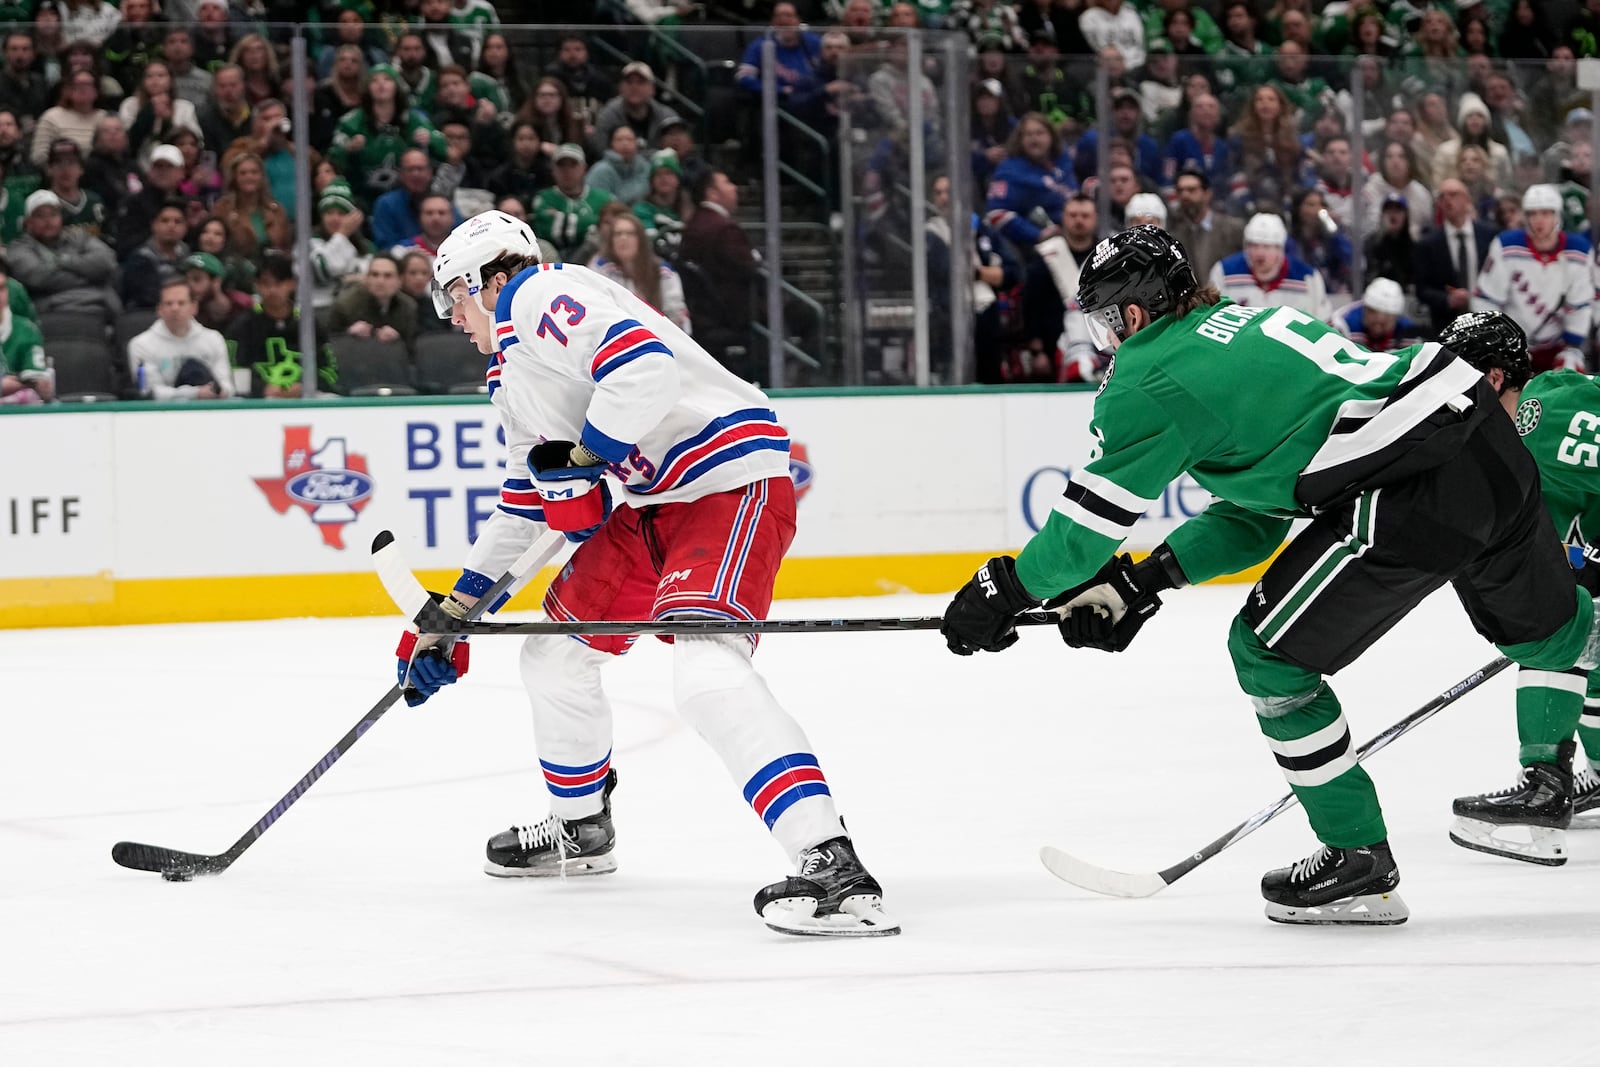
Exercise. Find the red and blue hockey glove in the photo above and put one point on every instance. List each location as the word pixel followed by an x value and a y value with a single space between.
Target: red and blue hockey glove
pixel 426 666
pixel 1108 610
pixel 983 614
pixel 568 479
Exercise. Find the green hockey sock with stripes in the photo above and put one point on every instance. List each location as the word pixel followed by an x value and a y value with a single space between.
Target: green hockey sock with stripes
pixel 1589 722
pixel 1548 707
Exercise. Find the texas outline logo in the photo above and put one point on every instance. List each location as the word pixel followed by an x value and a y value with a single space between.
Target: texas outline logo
pixel 330 484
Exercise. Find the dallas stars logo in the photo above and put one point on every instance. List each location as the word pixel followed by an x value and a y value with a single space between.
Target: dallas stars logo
pixel 1528 413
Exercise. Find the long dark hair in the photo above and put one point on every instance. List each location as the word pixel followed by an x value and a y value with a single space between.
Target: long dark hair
pixel 515 83
pixel 570 128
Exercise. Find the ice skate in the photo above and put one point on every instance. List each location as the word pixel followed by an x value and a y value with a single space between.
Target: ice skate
pixel 1337 886
pixel 832 896
pixel 1526 822
pixel 557 847
pixel 1585 797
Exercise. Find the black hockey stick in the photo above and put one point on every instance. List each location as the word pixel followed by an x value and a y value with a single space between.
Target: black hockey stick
pixel 178 866
pixel 1120 884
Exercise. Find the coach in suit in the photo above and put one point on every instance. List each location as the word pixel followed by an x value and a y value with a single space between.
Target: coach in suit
pixel 1208 236
pixel 1449 258
pixel 718 266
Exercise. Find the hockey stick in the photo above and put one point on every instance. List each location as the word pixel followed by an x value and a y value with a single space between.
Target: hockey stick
pixel 178 866
pixel 1120 884
pixel 431 620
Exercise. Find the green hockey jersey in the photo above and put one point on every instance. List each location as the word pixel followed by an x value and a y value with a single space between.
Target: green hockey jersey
pixel 1268 409
pixel 1559 420
pixel 564 221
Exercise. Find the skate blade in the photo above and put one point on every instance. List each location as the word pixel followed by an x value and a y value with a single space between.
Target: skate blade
pixel 859 916
pixel 574 868
pixel 1373 909
pixel 1544 845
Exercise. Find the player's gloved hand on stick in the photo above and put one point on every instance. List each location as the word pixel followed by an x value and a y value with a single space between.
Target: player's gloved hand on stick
pixel 426 666
pixel 983 614
pixel 1108 610
pixel 568 479
pixel 1585 561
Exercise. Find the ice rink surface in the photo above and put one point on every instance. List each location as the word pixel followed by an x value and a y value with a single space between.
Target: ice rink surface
pixel 360 929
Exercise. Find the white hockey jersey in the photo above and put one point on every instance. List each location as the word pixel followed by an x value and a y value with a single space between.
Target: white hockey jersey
pixel 1298 285
pixel 1548 293
pixel 579 358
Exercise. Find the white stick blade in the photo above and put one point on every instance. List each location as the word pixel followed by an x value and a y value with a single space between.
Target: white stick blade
pixel 1099 879
pixel 398 581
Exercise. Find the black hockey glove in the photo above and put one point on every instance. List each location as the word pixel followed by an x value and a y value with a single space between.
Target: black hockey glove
pixel 1108 610
pixel 982 615
pixel 1586 566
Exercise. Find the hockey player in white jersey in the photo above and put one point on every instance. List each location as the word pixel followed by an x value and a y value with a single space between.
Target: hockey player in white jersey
pixel 594 388
pixel 1377 322
pixel 1542 278
pixel 1263 275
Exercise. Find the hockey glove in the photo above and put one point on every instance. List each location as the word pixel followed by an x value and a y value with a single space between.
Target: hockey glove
pixel 568 479
pixel 982 615
pixel 1108 610
pixel 426 666
pixel 1585 560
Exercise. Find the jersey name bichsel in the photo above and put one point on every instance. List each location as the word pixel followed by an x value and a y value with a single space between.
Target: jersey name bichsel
pixel 1222 324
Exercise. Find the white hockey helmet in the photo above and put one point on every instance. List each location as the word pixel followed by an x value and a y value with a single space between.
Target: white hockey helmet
pixel 1265 229
pixel 1146 206
pixel 1541 198
pixel 1384 296
pixel 472 245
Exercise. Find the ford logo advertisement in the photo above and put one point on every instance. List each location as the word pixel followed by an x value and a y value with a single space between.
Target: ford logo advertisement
pixel 316 487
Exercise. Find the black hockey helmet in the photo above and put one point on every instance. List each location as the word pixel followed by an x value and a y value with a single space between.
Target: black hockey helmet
pixel 1488 339
pixel 1144 265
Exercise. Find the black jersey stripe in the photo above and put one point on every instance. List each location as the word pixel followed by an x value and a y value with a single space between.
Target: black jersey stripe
pixel 1321 757
pixel 1096 504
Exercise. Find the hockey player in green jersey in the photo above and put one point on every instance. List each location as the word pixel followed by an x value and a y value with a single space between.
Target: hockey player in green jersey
pixel 1557 413
pixel 1402 462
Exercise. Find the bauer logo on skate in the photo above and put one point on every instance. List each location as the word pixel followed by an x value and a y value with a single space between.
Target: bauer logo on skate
pixel 329 483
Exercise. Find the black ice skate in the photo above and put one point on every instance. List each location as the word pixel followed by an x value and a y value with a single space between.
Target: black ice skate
pixel 1585 797
pixel 557 847
pixel 1335 886
pixel 832 896
pixel 1527 822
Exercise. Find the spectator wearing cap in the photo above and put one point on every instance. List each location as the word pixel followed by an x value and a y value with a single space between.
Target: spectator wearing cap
pixel 109 169
pixel 1041 83
pixel 74 116
pixel 1114 24
pixel 266 338
pixel 25 374
pixel 661 209
pixel 81 209
pixel 190 82
pixel 376 307
pixel 1397 176
pixel 397 214
pixel 159 258
pixel 23 89
pixel 1377 322
pixel 677 138
pixel 1127 118
pixel 63 270
pixel 625 171
pixel 339 252
pixel 161 180
pixel 565 213
pixel 1200 145
pixel 1208 236
pixel 370 140
pixel 182 359
pixel 436 217
pixel 1577 128
pixel 212 35
pixel 635 105
pixel 214 307
pixel 1389 250
pixel 1264 275
pixel 588 87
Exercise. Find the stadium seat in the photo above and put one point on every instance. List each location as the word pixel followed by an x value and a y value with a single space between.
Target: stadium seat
pixel 72 325
pixel 83 367
pixel 131 324
pixel 369 367
pixel 449 363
